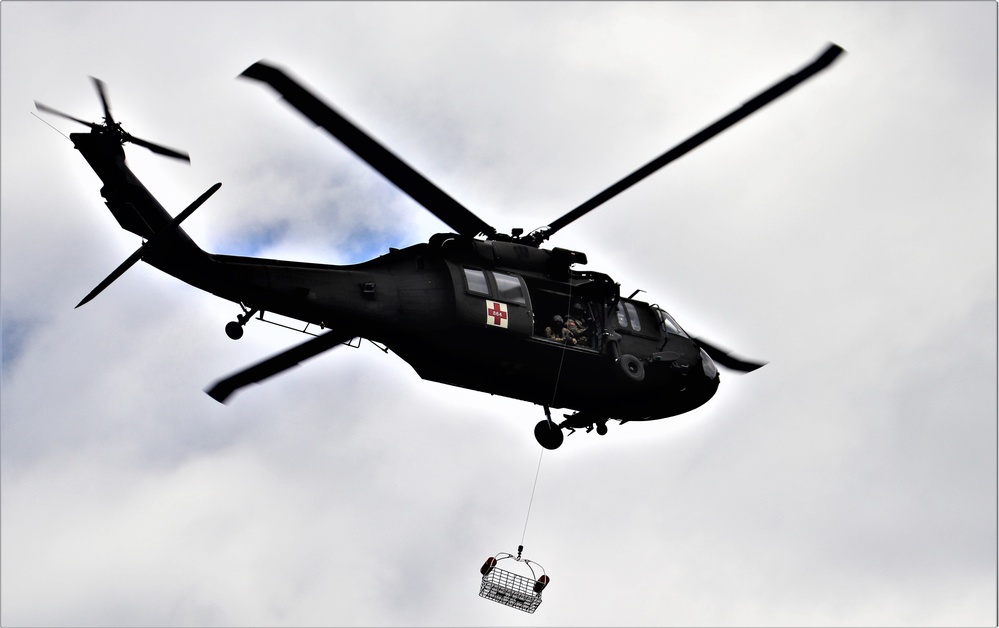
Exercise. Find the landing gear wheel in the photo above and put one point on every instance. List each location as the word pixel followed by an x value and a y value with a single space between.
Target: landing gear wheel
pixel 548 434
pixel 234 330
pixel 602 429
pixel 631 368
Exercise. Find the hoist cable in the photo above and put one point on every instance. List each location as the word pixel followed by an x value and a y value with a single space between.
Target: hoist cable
pixel 533 490
pixel 548 415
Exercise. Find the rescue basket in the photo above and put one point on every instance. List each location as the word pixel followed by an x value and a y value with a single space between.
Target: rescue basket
pixel 506 587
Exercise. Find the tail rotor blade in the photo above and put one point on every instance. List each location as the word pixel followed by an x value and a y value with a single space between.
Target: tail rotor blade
pixel 102 92
pixel 156 148
pixel 46 109
pixel 113 128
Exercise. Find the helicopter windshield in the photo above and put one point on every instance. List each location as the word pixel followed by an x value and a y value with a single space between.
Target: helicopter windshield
pixel 668 323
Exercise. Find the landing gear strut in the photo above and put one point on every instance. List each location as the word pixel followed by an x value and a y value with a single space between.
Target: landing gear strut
pixel 234 329
pixel 548 434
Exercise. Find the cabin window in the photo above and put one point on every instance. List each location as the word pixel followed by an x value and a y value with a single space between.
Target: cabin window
pixel 627 317
pixel 476 280
pixel 509 288
pixel 495 285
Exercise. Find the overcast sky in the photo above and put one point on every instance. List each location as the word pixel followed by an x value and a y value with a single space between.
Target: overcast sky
pixel 845 234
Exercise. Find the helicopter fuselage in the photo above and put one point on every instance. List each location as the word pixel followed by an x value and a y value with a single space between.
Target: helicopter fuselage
pixel 478 314
pixel 474 308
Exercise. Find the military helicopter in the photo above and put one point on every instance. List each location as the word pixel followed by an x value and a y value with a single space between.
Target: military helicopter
pixel 473 308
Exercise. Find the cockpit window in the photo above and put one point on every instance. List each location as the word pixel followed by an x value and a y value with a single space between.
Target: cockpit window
pixel 627 316
pixel 622 317
pixel 668 323
pixel 636 325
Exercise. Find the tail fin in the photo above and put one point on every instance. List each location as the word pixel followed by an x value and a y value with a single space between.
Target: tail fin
pixel 166 245
pixel 131 204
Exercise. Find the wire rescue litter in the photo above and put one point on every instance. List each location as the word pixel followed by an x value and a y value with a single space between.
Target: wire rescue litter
pixel 515 590
pixel 511 589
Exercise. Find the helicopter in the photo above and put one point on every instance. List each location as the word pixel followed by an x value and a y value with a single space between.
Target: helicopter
pixel 473 308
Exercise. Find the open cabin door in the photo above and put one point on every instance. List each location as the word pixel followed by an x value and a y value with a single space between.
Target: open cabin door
pixel 575 314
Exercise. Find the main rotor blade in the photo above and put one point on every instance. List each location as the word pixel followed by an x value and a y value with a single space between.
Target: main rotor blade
pixel 224 388
pixel 156 148
pixel 749 107
pixel 453 213
pixel 726 359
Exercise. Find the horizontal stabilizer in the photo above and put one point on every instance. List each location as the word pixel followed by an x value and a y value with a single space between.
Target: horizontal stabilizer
pixel 143 250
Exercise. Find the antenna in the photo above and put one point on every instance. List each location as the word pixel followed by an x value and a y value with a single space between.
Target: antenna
pixel 50 126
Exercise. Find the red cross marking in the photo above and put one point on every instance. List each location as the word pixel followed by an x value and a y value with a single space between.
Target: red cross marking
pixel 497 313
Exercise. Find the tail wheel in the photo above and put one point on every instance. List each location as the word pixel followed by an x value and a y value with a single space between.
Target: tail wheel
pixel 234 329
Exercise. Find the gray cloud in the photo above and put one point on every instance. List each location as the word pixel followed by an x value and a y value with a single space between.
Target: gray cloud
pixel 846 235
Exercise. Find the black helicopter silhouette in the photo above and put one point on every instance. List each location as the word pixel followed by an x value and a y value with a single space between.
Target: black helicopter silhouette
pixel 474 308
